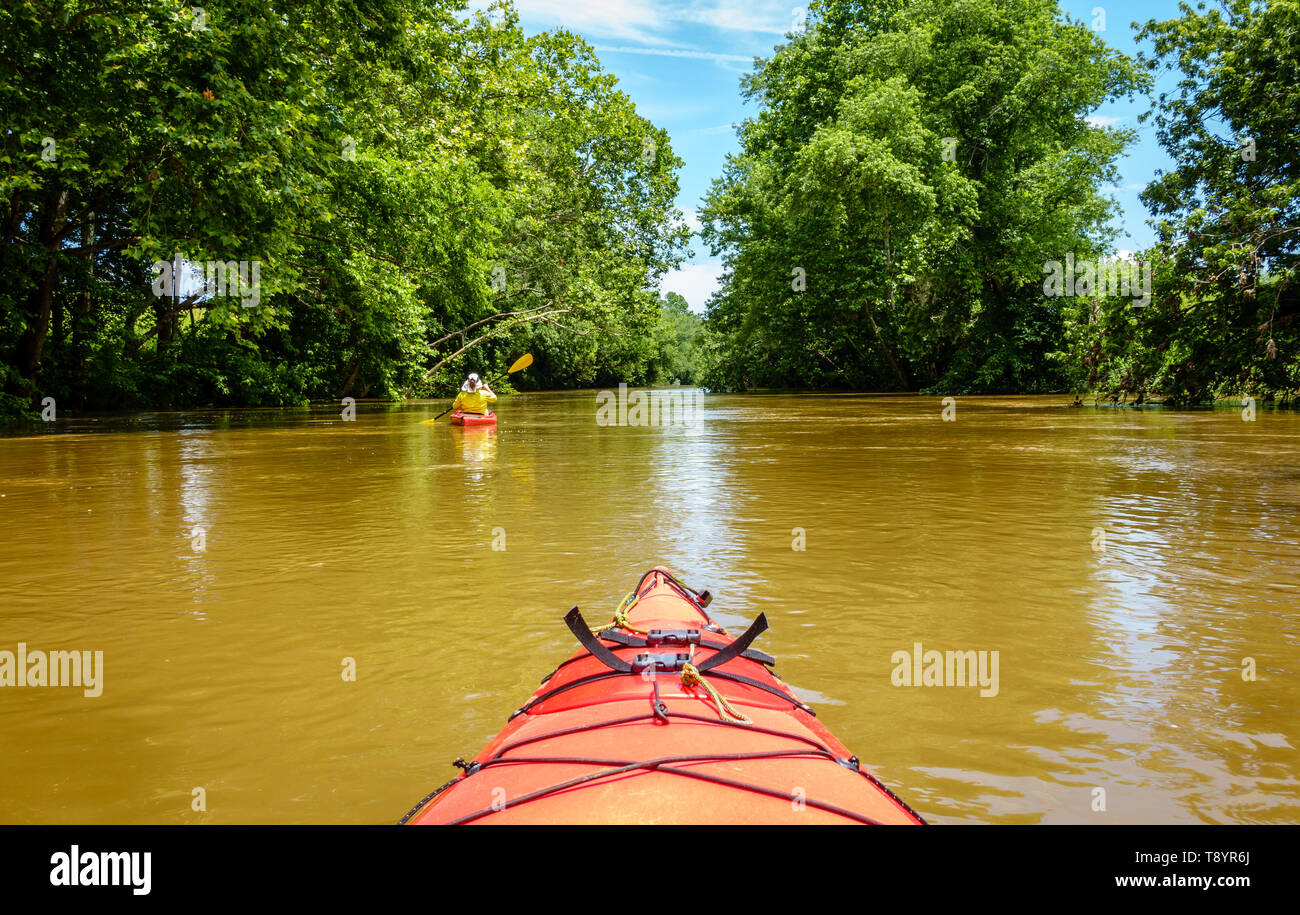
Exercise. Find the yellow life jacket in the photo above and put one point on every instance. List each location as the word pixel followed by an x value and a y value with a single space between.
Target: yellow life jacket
pixel 475 401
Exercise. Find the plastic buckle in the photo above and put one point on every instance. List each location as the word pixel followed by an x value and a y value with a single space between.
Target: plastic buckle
pixel 660 661
pixel 673 637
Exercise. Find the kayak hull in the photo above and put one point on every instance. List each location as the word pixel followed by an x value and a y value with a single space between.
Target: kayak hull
pixel 473 419
pixel 600 746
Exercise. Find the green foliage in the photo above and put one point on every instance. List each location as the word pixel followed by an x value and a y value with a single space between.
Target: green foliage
pixel 922 270
pixel 425 193
pixel 678 342
pixel 1224 320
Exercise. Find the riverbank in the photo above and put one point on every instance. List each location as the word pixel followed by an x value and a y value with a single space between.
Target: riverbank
pixel 60 419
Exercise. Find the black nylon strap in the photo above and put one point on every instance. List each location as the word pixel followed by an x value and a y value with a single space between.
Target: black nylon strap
pixel 755 629
pixel 578 626
pixel 635 641
pixel 735 678
pixel 623 638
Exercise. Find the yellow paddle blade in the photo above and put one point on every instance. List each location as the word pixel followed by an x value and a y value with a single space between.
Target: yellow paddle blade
pixel 523 362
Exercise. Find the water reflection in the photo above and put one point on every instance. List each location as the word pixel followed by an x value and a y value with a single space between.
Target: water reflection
pixel 696 502
pixel 441 559
pixel 195 454
pixel 477 446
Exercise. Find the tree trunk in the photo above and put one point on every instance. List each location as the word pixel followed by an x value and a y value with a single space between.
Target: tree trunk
pixel 352 378
pixel 83 320
pixel 166 314
pixel 885 348
pixel 13 223
pixel 32 343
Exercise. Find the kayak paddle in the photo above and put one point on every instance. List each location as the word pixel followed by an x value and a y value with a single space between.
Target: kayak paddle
pixel 521 363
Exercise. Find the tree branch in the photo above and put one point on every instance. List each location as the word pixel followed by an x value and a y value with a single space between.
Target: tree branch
pixel 503 314
pixel 180 306
pixel 491 333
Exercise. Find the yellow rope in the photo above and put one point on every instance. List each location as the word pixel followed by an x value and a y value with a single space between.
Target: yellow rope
pixel 691 676
pixel 620 619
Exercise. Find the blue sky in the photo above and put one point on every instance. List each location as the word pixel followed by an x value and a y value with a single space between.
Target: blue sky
pixel 681 63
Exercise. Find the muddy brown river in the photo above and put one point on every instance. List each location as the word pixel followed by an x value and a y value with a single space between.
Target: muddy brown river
pixel 1135 572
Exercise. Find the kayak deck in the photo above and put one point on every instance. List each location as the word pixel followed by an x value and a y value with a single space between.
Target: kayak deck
pixel 663 718
pixel 473 419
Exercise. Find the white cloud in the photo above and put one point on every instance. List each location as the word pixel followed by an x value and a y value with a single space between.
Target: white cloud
pixel 769 18
pixel 679 52
pixel 695 282
pixel 1104 120
pixel 636 20
pixel 645 20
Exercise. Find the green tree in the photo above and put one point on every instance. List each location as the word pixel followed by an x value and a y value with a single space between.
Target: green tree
pixel 912 167
pixel 676 358
pixel 1227 215
pixel 418 187
pixel 145 129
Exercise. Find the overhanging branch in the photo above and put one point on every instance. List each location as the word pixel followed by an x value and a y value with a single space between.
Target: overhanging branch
pixel 525 319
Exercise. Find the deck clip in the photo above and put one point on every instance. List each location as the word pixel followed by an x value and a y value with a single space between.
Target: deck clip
pixel 659 662
pixel 469 767
pixel 672 637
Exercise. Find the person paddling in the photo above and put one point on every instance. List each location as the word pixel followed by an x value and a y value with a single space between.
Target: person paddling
pixel 474 397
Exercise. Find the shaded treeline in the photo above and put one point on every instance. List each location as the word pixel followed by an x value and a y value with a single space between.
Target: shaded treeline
pixel 915 166
pixel 408 192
